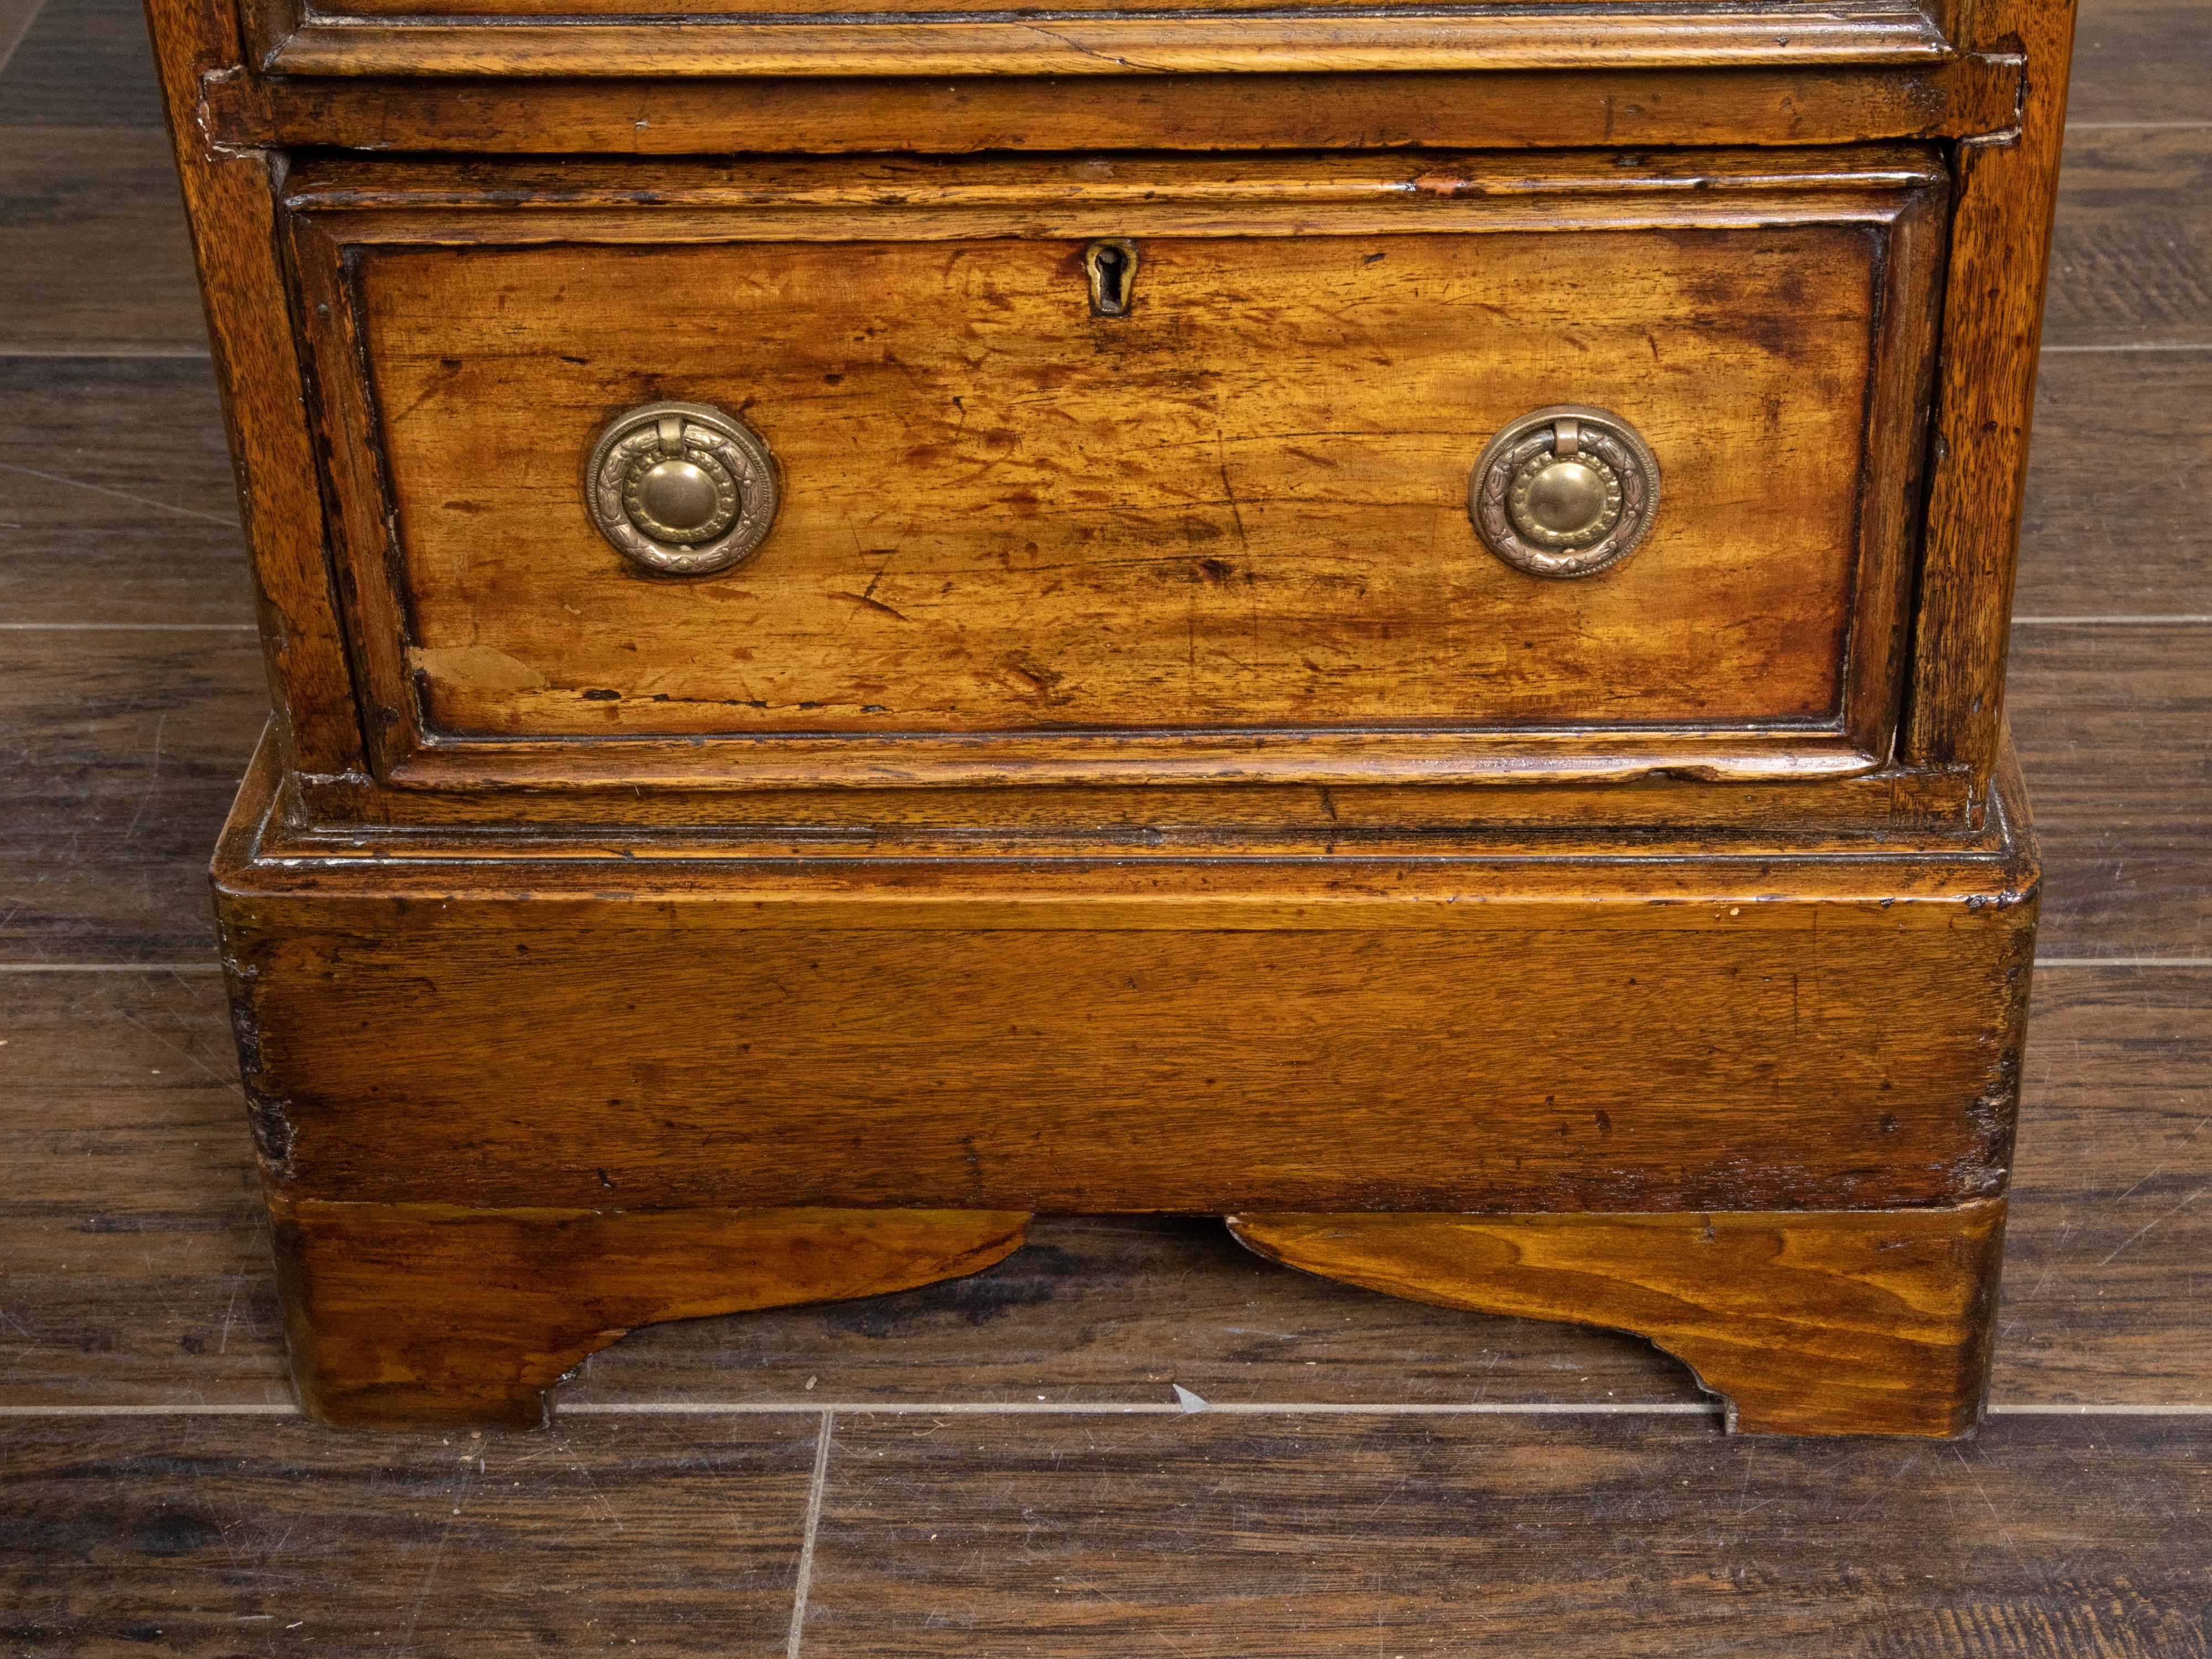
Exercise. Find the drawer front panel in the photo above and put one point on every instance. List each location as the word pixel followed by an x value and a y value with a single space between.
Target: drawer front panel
pixel 1239 510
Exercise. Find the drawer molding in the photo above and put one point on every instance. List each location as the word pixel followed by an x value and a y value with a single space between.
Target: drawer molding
pixel 344 214
pixel 426 40
pixel 1514 109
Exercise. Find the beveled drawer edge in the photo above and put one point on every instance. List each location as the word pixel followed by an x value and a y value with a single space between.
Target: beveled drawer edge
pixel 1046 43
pixel 996 759
pixel 1964 96
pixel 273 827
pixel 327 185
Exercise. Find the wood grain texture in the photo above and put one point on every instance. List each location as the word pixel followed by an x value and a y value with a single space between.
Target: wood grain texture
pixel 2140 60
pixel 1500 1544
pixel 123 748
pixel 116 499
pixel 1303 1537
pixel 2114 734
pixel 94 255
pixel 81 64
pixel 2133 239
pixel 496 201
pixel 1525 109
pixel 134 1231
pixel 999 514
pixel 2102 1239
pixel 2002 190
pixel 207 1538
pixel 1567 33
pixel 140 1274
pixel 353 816
pixel 2093 544
pixel 16 17
pixel 1873 1322
pixel 1252 568
pixel 1308 39
pixel 2111 1231
pixel 1120 1088
pixel 1072 1057
pixel 406 1316
pixel 1090 1537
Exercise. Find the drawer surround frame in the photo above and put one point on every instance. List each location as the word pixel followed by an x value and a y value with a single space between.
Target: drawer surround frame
pixel 335 209
pixel 375 1342
pixel 1969 95
pixel 224 115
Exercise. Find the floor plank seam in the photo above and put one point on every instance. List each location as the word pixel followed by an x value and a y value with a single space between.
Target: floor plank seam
pixel 210 966
pixel 93 353
pixel 2123 961
pixel 2137 126
pixel 126 627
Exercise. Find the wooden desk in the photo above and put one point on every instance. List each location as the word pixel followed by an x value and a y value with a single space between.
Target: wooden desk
pixel 1387 624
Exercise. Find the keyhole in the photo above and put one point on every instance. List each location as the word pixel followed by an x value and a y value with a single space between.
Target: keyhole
pixel 1113 270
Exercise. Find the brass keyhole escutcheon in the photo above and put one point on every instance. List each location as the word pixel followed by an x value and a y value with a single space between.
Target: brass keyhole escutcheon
pixel 1564 491
pixel 681 487
pixel 1112 268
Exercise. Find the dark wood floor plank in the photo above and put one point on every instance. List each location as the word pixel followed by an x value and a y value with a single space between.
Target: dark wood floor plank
pixel 1204 1536
pixel 2094 542
pixel 1193 1535
pixel 125 749
pixel 2142 60
pixel 2111 1231
pixel 83 64
pixel 16 20
pixel 116 498
pixel 94 252
pixel 2131 251
pixel 202 1537
pixel 2114 726
pixel 137 1260
pixel 1126 1308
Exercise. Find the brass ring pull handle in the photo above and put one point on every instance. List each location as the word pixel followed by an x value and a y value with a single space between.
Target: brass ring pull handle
pixel 1564 491
pixel 681 487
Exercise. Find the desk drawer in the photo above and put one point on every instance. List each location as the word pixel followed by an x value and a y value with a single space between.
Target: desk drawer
pixel 1030 523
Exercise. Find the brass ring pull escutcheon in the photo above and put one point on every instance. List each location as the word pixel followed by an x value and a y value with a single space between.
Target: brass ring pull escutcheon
pixel 1564 491
pixel 681 487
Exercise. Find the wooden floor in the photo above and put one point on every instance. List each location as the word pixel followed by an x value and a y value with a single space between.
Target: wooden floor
pixel 1132 1437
